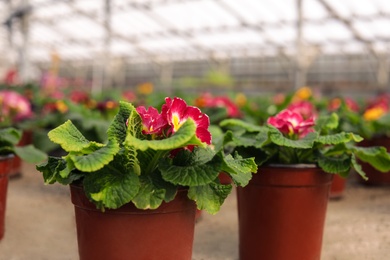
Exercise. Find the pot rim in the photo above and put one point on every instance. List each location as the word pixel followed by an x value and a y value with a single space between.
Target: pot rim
pixel 6 156
pixel 297 165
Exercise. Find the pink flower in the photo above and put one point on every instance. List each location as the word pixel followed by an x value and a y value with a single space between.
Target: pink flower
pixel 15 105
pixel 152 121
pixel 305 108
pixel 177 112
pixel 291 123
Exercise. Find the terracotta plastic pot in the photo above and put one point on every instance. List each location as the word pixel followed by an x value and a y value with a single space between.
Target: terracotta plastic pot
pixel 337 187
pixel 130 233
pixel 282 213
pixel 375 177
pixel 5 166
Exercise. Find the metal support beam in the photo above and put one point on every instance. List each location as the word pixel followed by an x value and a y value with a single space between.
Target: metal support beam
pixel 300 71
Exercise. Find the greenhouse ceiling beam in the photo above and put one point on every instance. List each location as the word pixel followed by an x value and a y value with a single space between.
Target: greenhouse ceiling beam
pixel 347 23
pixel 146 9
pixel 116 35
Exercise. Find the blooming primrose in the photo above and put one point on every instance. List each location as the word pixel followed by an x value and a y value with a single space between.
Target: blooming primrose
pixel 176 112
pixel 292 123
pixel 152 121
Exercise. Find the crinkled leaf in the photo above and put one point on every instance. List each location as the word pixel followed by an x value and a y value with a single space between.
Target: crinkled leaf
pixel 30 154
pixel 339 138
pixel 51 170
pixel 209 197
pixel 154 190
pixel 191 168
pixel 183 137
pixel 97 159
pixel 112 186
pixel 335 165
pixel 327 122
pixel 117 129
pixel 239 169
pixel 377 156
pixel 277 137
pixel 68 137
pixel 358 168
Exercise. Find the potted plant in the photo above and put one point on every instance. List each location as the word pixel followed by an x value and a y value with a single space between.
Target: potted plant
pixel 135 195
pixel 282 209
pixel 9 138
pixel 373 124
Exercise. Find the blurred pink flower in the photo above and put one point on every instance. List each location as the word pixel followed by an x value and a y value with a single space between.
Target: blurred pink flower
pixel 292 123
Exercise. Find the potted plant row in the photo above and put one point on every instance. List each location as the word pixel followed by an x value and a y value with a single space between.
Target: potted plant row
pixel 282 210
pixel 135 195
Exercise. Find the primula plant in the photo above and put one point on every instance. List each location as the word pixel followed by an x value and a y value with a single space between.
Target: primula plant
pixel 288 138
pixel 149 155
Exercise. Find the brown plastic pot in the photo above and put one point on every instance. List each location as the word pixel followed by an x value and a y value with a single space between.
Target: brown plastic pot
pixel 131 233
pixel 5 166
pixel 375 177
pixel 282 212
pixel 337 187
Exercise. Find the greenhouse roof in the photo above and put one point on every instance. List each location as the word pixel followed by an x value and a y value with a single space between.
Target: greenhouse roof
pixel 165 30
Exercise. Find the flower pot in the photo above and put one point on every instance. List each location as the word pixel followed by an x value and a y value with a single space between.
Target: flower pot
pixel 337 187
pixel 5 166
pixel 375 177
pixel 282 212
pixel 130 233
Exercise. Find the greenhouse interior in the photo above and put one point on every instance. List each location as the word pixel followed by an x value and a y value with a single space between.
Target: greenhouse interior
pixel 244 130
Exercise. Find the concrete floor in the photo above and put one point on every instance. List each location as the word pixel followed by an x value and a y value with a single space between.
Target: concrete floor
pixel 40 224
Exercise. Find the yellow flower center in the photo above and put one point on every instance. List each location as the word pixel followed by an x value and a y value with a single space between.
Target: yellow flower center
pixel 176 122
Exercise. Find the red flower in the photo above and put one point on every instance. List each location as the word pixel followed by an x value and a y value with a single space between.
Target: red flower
pixel 152 121
pixel 207 100
pixel 177 112
pixel 291 123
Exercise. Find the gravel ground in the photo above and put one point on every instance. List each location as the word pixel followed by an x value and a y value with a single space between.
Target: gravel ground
pixel 40 224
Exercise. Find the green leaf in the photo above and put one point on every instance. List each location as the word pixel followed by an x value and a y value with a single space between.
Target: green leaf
pixel 30 154
pixel 237 123
pixel 339 138
pixel 10 136
pixel 154 190
pixel 335 165
pixel 97 159
pixel 209 197
pixel 325 123
pixel 117 129
pixel 239 169
pixel 358 168
pixel 191 168
pixel 51 171
pixel 68 137
pixel 377 156
pixel 183 137
pixel 305 143
pixel 112 186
